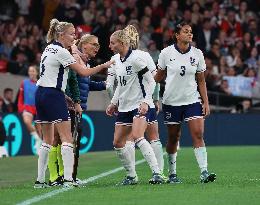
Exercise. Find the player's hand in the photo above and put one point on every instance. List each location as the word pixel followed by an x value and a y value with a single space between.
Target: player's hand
pixel 205 109
pixel 143 108
pixel 108 63
pixel 78 108
pixel 70 103
pixel 111 110
pixel 157 106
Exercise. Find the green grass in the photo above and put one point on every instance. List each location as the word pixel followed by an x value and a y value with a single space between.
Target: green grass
pixel 237 169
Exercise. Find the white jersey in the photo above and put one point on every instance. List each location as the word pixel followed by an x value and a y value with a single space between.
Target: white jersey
pixel 54 67
pixel 181 85
pixel 149 60
pixel 130 91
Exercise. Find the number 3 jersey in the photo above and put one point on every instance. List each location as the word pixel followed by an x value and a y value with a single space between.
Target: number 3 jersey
pixel 54 66
pixel 132 88
pixel 181 84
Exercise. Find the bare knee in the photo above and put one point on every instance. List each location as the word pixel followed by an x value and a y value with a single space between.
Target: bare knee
pixel 118 143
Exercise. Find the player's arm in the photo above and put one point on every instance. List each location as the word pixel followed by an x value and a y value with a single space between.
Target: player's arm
pixel 160 75
pixel 84 71
pixel 110 82
pixel 149 84
pixel 113 106
pixel 161 67
pixel 21 98
pixel 203 92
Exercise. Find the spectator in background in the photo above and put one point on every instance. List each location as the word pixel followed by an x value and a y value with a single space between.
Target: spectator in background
pixel 102 31
pixel 8 105
pixel 252 62
pixel 67 11
pixel 6 46
pixel 206 35
pixel 153 51
pixel 223 87
pixel 18 65
pixel 26 104
pixel 89 13
pixel 22 47
pixel 230 24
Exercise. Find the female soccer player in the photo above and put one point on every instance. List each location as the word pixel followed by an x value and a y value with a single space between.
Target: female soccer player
pixel 26 104
pixel 132 98
pixel 50 99
pixel 185 98
pixel 152 127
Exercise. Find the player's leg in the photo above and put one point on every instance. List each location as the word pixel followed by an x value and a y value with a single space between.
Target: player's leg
pixel 153 137
pixel 55 180
pixel 28 119
pixel 64 130
pixel 130 145
pixel 174 133
pixel 138 128
pixel 121 131
pixel 173 119
pixel 48 133
pixel 194 117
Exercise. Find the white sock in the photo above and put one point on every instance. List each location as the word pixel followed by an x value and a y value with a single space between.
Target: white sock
pixel 178 146
pixel 201 156
pixel 43 161
pixel 148 154
pixel 158 151
pixel 131 150
pixel 172 163
pixel 68 160
pixel 126 161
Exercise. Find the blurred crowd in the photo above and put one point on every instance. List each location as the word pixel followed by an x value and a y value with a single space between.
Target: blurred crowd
pixel 227 31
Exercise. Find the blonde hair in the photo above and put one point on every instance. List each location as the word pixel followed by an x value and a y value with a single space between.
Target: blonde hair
pixel 56 28
pixel 85 39
pixel 133 35
pixel 122 36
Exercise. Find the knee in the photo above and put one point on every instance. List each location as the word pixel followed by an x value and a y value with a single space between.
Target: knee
pixel 118 143
pixel 197 134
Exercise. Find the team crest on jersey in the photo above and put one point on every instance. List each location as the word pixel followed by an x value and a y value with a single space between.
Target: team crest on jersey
pixel 128 70
pixel 168 115
pixel 192 61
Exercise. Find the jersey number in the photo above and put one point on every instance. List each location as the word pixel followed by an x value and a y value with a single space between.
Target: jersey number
pixel 122 80
pixel 183 69
pixel 43 66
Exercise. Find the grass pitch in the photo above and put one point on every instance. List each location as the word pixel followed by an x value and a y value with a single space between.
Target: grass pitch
pixel 237 169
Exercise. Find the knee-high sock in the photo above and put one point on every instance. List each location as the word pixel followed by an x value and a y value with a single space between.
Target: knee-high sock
pixel 172 163
pixel 60 162
pixel 52 164
pixel 158 151
pixel 126 161
pixel 68 160
pixel 148 154
pixel 201 156
pixel 131 150
pixel 43 161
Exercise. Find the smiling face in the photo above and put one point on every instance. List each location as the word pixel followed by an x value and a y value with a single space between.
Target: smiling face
pixel 185 35
pixel 91 47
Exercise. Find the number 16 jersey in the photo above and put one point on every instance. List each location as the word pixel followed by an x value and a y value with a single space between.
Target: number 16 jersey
pixel 181 85
pixel 130 82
